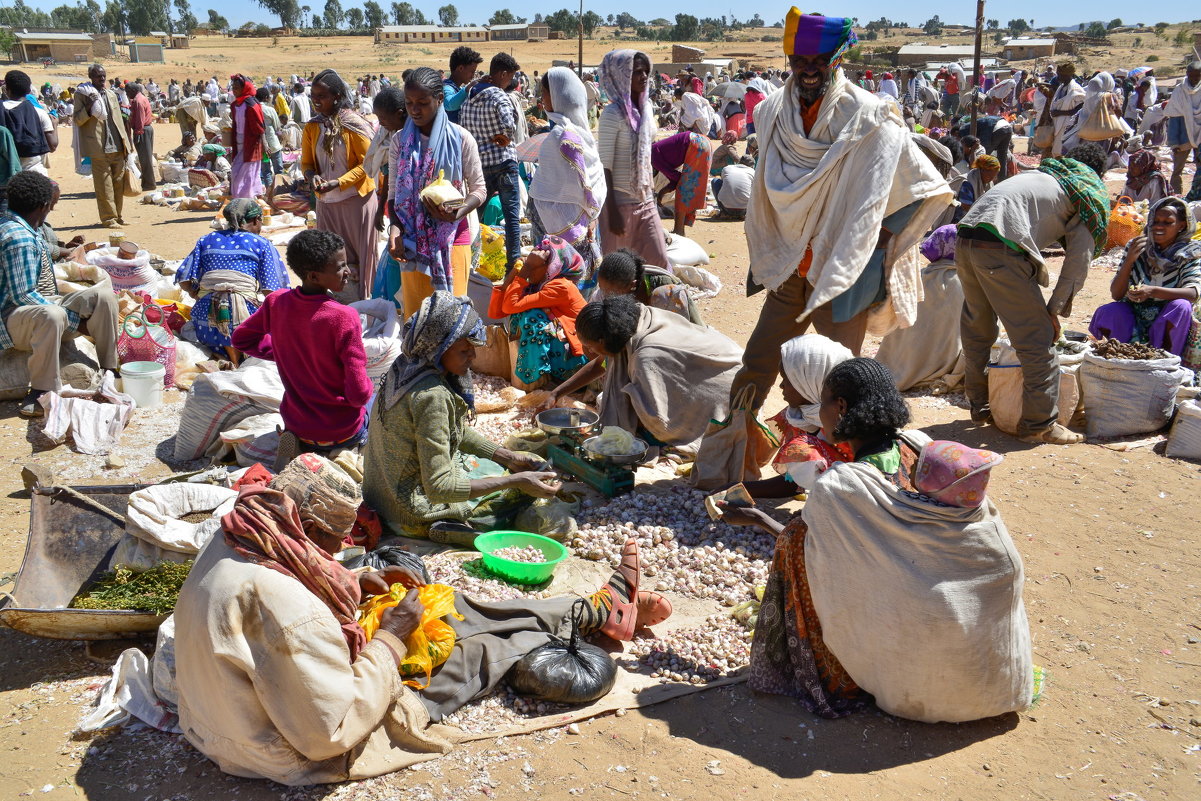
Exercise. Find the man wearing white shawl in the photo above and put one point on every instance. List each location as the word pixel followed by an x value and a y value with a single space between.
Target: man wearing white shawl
pixel 1184 128
pixel 841 198
pixel 1065 104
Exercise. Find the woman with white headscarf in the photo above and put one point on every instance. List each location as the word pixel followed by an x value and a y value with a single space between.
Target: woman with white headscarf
pixel 804 453
pixel 1099 88
pixel 568 191
pixel 629 217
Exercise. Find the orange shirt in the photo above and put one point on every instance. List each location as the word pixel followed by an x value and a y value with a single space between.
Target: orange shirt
pixel 558 297
pixel 808 119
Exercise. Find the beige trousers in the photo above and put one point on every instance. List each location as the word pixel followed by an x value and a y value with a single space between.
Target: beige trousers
pixel 40 329
pixel 777 324
pixel 999 282
pixel 108 179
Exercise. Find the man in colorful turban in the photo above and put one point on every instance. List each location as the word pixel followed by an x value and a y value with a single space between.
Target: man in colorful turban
pixel 840 200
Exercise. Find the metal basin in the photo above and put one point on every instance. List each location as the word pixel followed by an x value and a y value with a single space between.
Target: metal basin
pixel 571 421
pixel 621 459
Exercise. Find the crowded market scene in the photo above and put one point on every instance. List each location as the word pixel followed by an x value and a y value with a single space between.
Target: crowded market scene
pixel 435 411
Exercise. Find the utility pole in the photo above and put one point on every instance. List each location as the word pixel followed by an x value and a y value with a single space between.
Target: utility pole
pixel 976 66
pixel 579 64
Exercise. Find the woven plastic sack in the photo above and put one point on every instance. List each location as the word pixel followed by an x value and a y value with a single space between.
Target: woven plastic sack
pixel 1123 397
pixel 135 275
pixel 431 642
pixel 1192 346
pixel 144 341
pixel 1103 124
pixel 734 449
pixel 1044 131
pixel 1007 388
pixel 493 259
pixel 1185 440
pixel 1125 223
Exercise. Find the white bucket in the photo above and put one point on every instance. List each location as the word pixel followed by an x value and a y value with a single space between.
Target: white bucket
pixel 143 381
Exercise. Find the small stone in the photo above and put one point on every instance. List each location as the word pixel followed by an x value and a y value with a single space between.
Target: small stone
pixel 621 713
pixel 113 462
pixel 620 768
pixel 527 769
pixel 985 766
pixel 37 474
pixel 573 728
pixel 1191 640
pixel 1098 569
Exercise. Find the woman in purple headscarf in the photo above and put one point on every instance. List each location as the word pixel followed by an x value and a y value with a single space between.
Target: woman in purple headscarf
pixel 629 218
pixel 929 351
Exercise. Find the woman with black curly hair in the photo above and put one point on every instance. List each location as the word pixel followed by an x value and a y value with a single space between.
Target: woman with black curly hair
pixel 898 581
pixel 664 378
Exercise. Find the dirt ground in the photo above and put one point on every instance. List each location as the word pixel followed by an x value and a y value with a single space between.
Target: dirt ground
pixel 1112 561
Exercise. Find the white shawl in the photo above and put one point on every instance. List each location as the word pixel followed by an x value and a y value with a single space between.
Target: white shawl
pixel 1185 102
pixel 558 186
pixel 806 361
pixel 831 190
pixel 1067 97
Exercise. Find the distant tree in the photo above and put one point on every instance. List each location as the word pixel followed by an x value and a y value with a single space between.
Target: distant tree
pixel 405 14
pixel 354 18
pixel 502 17
pixel 591 21
pixel 187 20
pixel 145 16
pixel 660 22
pixel 564 21
pixel 8 42
pixel 448 15
pixel 756 22
pixel 993 24
pixel 932 26
pixel 1017 26
pixel 1096 30
pixel 538 19
pixel 625 20
pixel 334 14
pixel 217 22
pixel 287 10
pixel 1114 23
pixel 611 19
pixel 373 12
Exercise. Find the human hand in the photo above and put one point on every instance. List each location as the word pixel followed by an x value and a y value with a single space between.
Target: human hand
pixel 1140 293
pixel 372 583
pixel 395 574
pixel 500 140
pixel 617 225
pixel 74 242
pixel 520 461
pixel 403 619
pixel 552 400
pixel 1055 325
pixel 396 245
pixel 738 515
pixel 438 211
pixel 1135 247
pixel 537 484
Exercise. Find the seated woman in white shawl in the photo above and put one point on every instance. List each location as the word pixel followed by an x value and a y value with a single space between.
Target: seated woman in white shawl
pixel 898 580
pixel 664 377
pixel 568 190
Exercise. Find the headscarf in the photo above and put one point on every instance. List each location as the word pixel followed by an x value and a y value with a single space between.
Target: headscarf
pixel 240 211
pixel 1143 169
pixel 940 245
pixel 990 162
pixel 558 179
pixel 1087 194
pixel 267 527
pixel 564 261
pixel 213 149
pixel 1097 86
pixel 344 116
pixel 806 361
pixel 729 138
pixel 247 89
pixel 813 34
pixel 955 474
pixel 616 71
pixel 1182 249
pixel 442 320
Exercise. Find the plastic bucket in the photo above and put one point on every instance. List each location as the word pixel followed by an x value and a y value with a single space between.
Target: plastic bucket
pixel 143 381
pixel 520 572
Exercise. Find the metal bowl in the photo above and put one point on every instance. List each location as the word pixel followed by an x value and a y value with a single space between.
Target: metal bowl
pixel 640 448
pixel 573 421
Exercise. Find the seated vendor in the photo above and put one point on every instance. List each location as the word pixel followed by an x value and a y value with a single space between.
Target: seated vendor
pixel 542 301
pixel 276 678
pixel 212 158
pixel 664 378
pixel 59 250
pixel 1156 287
pixel 426 471
pixel 33 316
pixel 909 573
pixel 187 152
pixel 623 272
pixel 805 450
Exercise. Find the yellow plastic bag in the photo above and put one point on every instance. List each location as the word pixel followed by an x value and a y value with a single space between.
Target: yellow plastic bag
pixel 493 258
pixel 441 191
pixel 432 641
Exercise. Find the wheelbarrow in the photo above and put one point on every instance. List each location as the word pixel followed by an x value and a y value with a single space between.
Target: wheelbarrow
pixel 72 535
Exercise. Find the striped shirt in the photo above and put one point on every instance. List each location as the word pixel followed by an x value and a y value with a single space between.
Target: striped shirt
pixel 615 142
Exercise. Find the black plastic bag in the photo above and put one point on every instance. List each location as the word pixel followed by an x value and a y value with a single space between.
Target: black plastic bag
pixel 564 672
pixel 387 556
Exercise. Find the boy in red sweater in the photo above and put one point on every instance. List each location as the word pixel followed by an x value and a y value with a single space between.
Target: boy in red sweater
pixel 317 343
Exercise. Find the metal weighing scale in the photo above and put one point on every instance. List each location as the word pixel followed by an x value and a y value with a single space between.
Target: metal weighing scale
pixel 569 430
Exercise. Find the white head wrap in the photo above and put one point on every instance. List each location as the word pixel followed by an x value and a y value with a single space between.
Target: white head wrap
pixel 806 361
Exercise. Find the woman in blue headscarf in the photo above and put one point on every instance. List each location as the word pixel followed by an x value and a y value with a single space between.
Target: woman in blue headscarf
pixel 432 240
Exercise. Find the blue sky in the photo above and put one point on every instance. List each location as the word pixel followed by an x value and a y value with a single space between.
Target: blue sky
pixel 958 12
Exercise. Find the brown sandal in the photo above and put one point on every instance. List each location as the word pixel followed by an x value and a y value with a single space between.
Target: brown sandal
pixel 623 617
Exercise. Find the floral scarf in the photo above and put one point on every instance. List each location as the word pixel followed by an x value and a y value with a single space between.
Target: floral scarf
pixel 564 261
pixel 616 72
pixel 417 166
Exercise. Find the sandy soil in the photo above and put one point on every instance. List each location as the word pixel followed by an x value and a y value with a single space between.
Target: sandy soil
pixel 1111 558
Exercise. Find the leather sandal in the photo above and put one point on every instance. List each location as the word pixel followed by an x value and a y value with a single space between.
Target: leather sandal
pixel 623 617
pixel 1055 435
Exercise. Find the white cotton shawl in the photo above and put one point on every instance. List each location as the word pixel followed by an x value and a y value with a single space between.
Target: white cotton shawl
pixel 558 188
pixel 831 189
pixel 888 86
pixel 1067 97
pixel 806 361
pixel 1185 102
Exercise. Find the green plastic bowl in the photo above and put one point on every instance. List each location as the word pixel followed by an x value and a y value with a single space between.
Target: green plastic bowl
pixel 520 572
